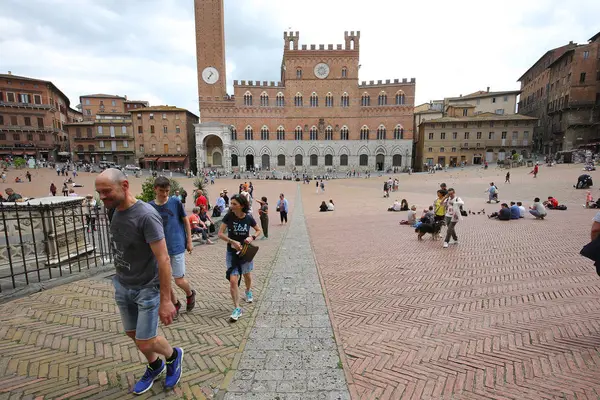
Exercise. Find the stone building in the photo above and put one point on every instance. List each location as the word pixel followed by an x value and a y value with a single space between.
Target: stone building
pixel 535 85
pixel 106 131
pixel 318 117
pixel 165 138
pixel 574 97
pixel 484 101
pixel 461 136
pixel 33 114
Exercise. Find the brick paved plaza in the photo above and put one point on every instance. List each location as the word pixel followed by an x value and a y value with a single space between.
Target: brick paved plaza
pixel 512 312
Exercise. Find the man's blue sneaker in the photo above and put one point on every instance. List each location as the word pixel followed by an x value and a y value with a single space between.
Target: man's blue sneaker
pixel 144 384
pixel 174 369
pixel 249 297
pixel 236 314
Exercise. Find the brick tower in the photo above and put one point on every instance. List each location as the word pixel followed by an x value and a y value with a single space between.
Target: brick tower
pixel 210 49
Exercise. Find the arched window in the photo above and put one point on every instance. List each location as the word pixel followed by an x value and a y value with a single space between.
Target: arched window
pixel 248 133
pixel 364 133
pixel 233 132
pixel 280 133
pixel 345 100
pixel 247 99
pixel 397 160
pixel 298 100
pixel 329 100
pixel 365 100
pixel 281 160
pixel 298 73
pixel 344 159
pixel 298 160
pixel 329 133
pixel 313 133
pixel 382 99
pixel 234 160
pixel 363 160
pixel 280 100
pixel 264 133
pixel 381 131
pixel 264 99
pixel 328 160
pixel 344 72
pixel 400 98
pixel 314 100
pixel 398 132
pixel 314 160
pixel 344 133
pixel 298 133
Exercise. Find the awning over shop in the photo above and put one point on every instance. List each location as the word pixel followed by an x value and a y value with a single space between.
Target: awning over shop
pixel 30 153
pixel 17 153
pixel 172 159
pixel 150 159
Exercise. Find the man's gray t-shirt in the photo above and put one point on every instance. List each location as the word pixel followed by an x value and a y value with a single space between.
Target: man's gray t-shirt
pixel 132 232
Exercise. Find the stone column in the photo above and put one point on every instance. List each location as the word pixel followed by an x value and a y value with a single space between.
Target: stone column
pixel 200 157
pixel 227 158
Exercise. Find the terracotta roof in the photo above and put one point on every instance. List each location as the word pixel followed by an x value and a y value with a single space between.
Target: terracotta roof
pixel 483 93
pixel 162 108
pixel 24 78
pixel 429 112
pixel 104 96
pixel 461 105
pixel 596 36
pixel 485 117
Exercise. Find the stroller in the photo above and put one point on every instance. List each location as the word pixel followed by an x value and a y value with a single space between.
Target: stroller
pixel 583 182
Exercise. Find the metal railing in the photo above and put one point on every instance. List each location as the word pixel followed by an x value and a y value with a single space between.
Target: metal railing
pixel 43 239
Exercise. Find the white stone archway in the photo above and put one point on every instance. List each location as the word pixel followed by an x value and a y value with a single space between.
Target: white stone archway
pixel 213 139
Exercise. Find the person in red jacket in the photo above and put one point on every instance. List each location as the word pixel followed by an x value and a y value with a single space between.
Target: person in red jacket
pixel 202 201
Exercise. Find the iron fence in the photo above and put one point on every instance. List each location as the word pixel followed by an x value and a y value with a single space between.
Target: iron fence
pixel 49 238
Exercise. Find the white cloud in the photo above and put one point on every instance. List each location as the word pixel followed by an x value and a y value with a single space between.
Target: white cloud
pixel 146 48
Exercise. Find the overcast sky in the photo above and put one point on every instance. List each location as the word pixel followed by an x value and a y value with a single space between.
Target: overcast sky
pixel 145 49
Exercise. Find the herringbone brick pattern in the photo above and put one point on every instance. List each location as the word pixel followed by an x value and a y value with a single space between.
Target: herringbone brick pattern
pixel 512 312
pixel 68 343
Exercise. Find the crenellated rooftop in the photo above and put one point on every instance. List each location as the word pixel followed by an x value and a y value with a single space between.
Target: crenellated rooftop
pixel 259 84
pixel 381 82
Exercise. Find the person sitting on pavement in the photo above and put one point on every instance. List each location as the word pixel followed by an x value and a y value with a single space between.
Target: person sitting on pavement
pixel 411 217
pixel 396 206
pixel 197 226
pixel 522 210
pixel 537 209
pixel 515 213
pixel 330 205
pixel 323 207
pixel 551 203
pixel 404 205
pixel 503 214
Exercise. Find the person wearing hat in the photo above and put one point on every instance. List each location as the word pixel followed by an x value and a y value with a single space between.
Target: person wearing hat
pixel 90 212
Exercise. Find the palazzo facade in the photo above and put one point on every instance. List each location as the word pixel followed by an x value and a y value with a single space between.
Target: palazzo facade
pixel 318 117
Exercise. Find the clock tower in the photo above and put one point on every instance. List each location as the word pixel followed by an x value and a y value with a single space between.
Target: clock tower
pixel 210 50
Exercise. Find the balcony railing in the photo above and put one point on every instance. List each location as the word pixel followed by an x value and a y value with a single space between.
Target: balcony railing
pixel 26 105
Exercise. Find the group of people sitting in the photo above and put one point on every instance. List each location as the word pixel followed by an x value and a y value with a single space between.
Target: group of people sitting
pixel 327 206
pixel 517 210
pixel 399 206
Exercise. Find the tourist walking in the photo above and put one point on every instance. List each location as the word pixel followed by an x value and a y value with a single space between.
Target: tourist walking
pixel 238 222
pixel 53 189
pixel 283 208
pixel 507 180
pixel 28 176
pixel 65 189
pixel 453 206
pixel 263 215
pixel 178 236
pixel 90 215
pixel 143 278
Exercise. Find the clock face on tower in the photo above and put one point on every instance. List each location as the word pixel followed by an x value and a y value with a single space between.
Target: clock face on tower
pixel 321 70
pixel 210 75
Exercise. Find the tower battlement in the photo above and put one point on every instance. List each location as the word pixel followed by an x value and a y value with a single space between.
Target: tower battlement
pixel 291 43
pixel 381 82
pixel 257 84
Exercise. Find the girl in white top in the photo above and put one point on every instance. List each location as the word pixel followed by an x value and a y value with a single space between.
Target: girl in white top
pixel 330 205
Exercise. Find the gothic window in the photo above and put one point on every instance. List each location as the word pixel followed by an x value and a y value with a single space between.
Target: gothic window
pixel 314 100
pixel 381 131
pixel 345 100
pixel 279 100
pixel 298 133
pixel 400 98
pixel 248 133
pixel 264 99
pixel 344 72
pixel 298 100
pixel 313 133
pixel 399 132
pixel 365 100
pixel 364 133
pixel 280 133
pixel 298 73
pixel 264 133
pixel 344 133
pixel 344 159
pixel 314 160
pixel 329 100
pixel 247 99
pixel 382 99
pixel 329 133
pixel 233 133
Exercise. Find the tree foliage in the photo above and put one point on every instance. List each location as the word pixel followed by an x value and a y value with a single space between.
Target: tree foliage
pixel 19 162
